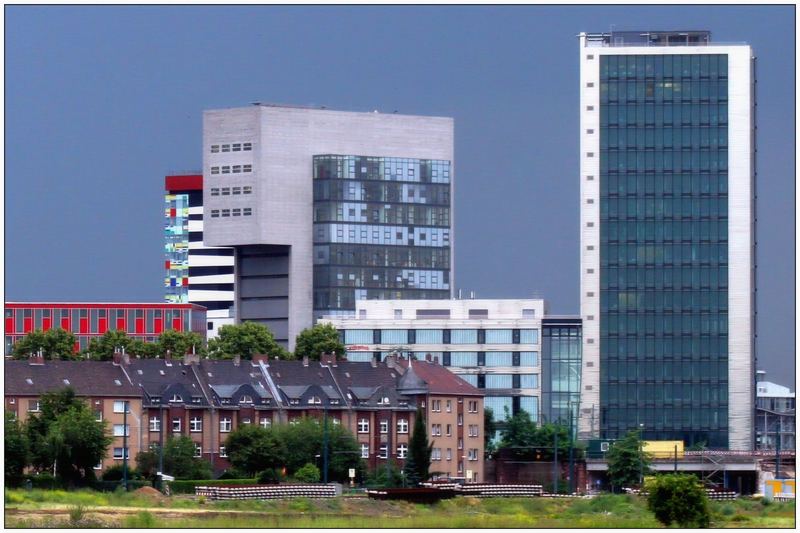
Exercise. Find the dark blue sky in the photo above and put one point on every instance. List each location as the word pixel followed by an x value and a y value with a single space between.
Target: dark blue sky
pixel 102 102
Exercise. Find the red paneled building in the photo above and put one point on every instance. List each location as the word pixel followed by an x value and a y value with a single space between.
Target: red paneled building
pixel 145 321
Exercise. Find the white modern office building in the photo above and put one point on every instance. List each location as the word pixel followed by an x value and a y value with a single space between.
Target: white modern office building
pixel 495 345
pixel 667 237
pixel 775 415
pixel 330 207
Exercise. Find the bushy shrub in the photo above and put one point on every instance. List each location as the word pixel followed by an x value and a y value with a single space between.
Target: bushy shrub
pixel 309 473
pixel 679 499
pixel 44 480
pixel 270 476
pixel 114 473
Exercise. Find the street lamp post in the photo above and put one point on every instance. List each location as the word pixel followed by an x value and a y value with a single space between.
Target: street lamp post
pixel 641 460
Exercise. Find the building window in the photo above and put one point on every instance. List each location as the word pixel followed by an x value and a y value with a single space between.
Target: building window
pixel 33 406
pixel 449 406
pixel 472 454
pixel 223 452
pixel 214 148
pixel 460 444
pixel 247 147
pixel 436 430
pixel 198 450
pixel 473 430
pixel 449 454
pixel 402 450
pixel 225 425
pixel 460 420
pixel 246 421
pixel 215 213
pixel 365 451
pixel 196 424
pixel 402 425
pixel 436 454
pixel 121 453
pixel 247 211
pixel 121 430
pixel 383 452
pixel 363 425
pixel 265 423
pixel 176 398
pixel 472 406
pixel 436 406
pixel 155 423
pixel 120 406
pixel 384 426
pixel 246 399
pixel 449 430
pixel 176 425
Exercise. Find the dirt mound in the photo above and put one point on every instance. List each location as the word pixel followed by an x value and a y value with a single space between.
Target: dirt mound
pixel 149 492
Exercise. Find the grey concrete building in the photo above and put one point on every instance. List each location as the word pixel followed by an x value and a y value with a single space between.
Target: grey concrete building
pixel 339 206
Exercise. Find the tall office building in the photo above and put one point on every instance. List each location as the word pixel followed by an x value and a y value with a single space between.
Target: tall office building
pixel 667 237
pixel 195 273
pixel 341 206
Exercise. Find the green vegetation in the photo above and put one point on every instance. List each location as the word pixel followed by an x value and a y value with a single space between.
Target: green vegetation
pixel 627 462
pixel 678 499
pixel 418 464
pixel 245 340
pixel 66 437
pixel 177 342
pixel 316 340
pixel 55 344
pixel 489 429
pixel 179 460
pixel 254 449
pixel 308 473
pixel 36 508
pixel 17 451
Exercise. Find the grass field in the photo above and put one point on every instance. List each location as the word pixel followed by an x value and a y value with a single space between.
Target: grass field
pixel 86 509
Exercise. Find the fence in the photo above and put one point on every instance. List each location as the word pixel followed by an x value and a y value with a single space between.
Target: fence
pixel 269 492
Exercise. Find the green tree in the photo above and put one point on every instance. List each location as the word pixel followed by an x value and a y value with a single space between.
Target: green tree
pixel 383 477
pixel 418 465
pixel 37 428
pixel 489 429
pixel 74 443
pixel 245 340
pixel 322 338
pixel 179 460
pixel 303 441
pixel 145 350
pixel 179 342
pixel 55 344
pixel 253 449
pixel 627 462
pixel 308 473
pixel 102 348
pixel 679 499
pixel 17 450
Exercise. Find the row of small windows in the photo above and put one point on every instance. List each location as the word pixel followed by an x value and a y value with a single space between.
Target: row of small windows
pixel 643 138
pixel 234 212
pixel 664 184
pixel 664 161
pixel 663 91
pixel 441 336
pixel 641 114
pixel 227 191
pixel 665 418
pixel 666 208
pixel 383 235
pixel 640 347
pixel 234 147
pixel 665 231
pixel 696 323
pixel 459 359
pixel 231 169
pixel 692 66
pixel 666 371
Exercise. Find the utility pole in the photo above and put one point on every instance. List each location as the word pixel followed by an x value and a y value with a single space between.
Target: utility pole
pixel 555 461
pixel 325 445
pixel 777 456
pixel 676 459
pixel 125 445
pixel 641 452
pixel 161 426
pixel 571 452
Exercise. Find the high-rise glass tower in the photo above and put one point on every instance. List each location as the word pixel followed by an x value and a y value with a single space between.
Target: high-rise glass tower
pixel 667 237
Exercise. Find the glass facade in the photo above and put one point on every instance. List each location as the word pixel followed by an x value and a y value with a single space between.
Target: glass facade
pixel 176 247
pixel 664 247
pixel 562 345
pixel 381 230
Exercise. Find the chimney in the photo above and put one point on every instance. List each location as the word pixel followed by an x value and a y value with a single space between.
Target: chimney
pixel 190 357
pixel 328 359
pixel 237 360
pixel 117 356
pixel 373 362
pixel 305 360
pixel 391 360
pixel 168 355
pixel 37 358
pixel 257 357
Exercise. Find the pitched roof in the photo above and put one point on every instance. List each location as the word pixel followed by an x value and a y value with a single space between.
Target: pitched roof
pixel 439 379
pixel 157 378
pixel 364 384
pixel 290 376
pixel 225 378
pixel 87 378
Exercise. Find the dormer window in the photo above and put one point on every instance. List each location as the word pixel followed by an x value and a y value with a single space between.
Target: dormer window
pixel 196 399
pixel 66 381
pixel 226 401
pixel 117 382
pixel 176 398
pixel 334 401
pixel 161 372
pixel 314 400
pixel 383 401
pixel 294 401
pixel 246 399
